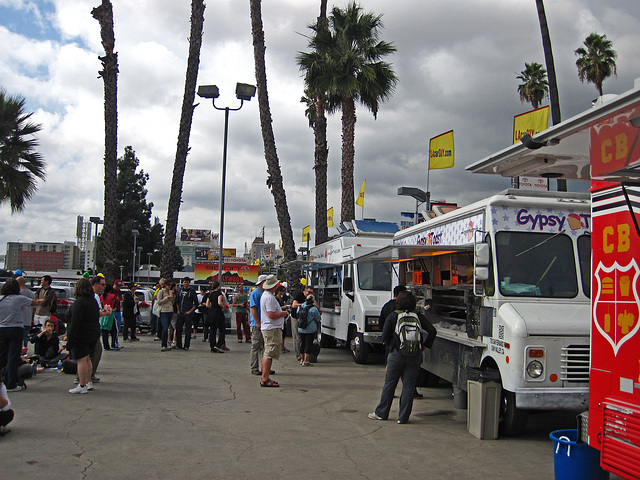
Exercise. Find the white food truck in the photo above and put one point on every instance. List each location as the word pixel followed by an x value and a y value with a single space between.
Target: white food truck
pixel 351 295
pixel 509 277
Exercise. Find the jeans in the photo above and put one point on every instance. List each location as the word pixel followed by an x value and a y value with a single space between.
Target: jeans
pixel 165 318
pixel 10 348
pixel 242 323
pixel 399 366
pixel 257 348
pixel 186 320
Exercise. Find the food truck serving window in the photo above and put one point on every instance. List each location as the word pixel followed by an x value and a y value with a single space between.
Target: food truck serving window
pixel 536 265
pixel 374 276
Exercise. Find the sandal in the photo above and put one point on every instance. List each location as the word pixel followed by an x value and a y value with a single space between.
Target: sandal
pixel 269 383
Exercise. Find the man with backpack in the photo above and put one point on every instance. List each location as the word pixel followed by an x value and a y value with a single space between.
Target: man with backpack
pixel 46 301
pixel 406 334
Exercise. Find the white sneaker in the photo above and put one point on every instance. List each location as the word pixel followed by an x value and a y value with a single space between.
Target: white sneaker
pixel 79 389
pixel 173 344
pixel 373 416
pixel 89 386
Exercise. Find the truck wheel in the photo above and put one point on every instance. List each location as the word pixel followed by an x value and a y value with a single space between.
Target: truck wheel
pixel 359 348
pixel 512 420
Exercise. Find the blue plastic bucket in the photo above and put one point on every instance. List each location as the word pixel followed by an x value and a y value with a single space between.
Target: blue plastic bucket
pixel 575 461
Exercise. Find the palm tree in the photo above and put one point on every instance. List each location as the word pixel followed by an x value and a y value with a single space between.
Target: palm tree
pixel 109 74
pixel 20 165
pixel 534 86
pixel 358 74
pixel 597 62
pixel 274 179
pixel 195 43
pixel 311 64
pixel 554 96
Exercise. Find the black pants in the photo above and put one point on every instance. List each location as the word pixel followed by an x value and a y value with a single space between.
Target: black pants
pixel 217 326
pixel 6 417
pixel 105 339
pixel 306 342
pixel 184 320
pixel 129 324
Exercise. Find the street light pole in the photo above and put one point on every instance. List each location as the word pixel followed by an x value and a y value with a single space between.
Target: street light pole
pixel 243 92
pixel 139 262
pixel 149 267
pixel 135 234
pixel 97 221
pixel 121 269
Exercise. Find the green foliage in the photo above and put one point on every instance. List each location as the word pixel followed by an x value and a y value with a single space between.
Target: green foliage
pixel 534 86
pixel 597 61
pixel 20 165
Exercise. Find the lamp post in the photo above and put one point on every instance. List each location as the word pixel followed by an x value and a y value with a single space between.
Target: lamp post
pixel 139 262
pixel 149 267
pixel 135 234
pixel 97 221
pixel 418 194
pixel 244 91
pixel 121 269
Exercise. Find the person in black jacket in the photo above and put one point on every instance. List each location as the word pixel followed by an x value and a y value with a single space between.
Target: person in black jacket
pixel 129 301
pixel 400 365
pixel 84 331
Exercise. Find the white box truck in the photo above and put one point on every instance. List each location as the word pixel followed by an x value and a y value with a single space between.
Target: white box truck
pixel 509 277
pixel 351 295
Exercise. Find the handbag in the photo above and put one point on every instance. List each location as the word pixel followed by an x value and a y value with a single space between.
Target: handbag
pixel 156 309
pixel 106 322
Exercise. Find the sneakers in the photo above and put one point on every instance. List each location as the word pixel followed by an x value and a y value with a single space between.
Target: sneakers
pixel 225 348
pixel 17 388
pixel 216 350
pixel 173 344
pixel 373 416
pixel 79 389
pixel 240 341
pixel 285 350
pixel 247 341
pixel 163 349
pixel 89 386
pixel 95 379
pixel 156 339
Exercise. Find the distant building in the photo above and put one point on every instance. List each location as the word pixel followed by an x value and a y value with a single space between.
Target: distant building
pixel 42 256
pixel 192 244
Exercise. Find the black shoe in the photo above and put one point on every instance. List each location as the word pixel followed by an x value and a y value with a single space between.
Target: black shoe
pixel 135 339
pixel 256 372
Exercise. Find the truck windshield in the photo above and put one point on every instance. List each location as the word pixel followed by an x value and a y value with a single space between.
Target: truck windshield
pixel 374 276
pixel 536 265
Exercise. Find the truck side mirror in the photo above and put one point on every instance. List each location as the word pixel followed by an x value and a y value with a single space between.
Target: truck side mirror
pixel 347 284
pixel 483 256
pixel 481 273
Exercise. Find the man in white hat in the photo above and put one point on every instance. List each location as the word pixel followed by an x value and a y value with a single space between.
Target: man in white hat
pixel 271 323
pixel 257 342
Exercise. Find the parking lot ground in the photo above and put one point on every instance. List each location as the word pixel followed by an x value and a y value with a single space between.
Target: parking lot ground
pixel 196 414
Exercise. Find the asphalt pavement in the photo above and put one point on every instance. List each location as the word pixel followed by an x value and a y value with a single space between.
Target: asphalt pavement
pixel 196 414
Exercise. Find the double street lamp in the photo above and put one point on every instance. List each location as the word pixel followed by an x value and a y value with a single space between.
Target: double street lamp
pixel 244 91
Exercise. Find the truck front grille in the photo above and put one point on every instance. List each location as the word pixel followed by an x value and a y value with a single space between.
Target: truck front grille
pixel 575 363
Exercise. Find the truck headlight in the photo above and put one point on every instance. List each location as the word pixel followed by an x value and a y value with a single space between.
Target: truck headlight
pixel 534 369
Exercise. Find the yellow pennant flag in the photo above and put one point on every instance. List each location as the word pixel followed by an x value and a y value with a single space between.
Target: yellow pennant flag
pixel 441 151
pixel 360 200
pixel 531 122
pixel 305 234
pixel 330 217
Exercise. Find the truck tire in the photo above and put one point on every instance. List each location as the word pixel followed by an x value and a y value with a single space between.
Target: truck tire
pixel 512 420
pixel 359 348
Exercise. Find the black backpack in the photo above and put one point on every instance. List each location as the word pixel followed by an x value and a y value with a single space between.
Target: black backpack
pixel 303 317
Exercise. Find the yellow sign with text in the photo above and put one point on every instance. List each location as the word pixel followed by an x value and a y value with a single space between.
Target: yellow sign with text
pixel 531 122
pixel 441 151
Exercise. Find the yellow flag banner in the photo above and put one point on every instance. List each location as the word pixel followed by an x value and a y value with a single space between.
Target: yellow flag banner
pixel 330 217
pixel 360 200
pixel 531 122
pixel 441 152
pixel 305 234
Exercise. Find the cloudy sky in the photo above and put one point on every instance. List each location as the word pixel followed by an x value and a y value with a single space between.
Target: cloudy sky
pixel 456 62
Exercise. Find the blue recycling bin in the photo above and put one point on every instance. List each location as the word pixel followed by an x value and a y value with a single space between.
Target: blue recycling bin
pixel 575 461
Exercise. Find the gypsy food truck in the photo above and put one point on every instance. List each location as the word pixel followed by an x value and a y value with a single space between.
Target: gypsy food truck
pixel 601 145
pixel 508 277
pixel 351 295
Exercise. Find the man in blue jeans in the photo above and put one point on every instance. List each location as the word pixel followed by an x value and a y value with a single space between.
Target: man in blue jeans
pixel 187 304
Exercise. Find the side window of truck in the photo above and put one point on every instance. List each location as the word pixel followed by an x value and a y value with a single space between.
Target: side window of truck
pixel 490 284
pixel 584 259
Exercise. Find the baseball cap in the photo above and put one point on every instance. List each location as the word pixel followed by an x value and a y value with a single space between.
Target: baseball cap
pixel 261 279
pixel 18 273
pixel 118 282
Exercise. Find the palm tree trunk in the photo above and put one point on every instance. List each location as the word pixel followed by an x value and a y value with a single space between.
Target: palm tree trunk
pixel 551 75
pixel 347 211
pixel 175 197
pixel 274 181
pixel 321 153
pixel 109 74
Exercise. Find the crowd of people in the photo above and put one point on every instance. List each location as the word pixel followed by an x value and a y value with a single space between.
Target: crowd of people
pixel 264 317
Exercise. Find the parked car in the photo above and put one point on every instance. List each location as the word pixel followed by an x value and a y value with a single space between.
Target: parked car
pixel 145 298
pixel 65 300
